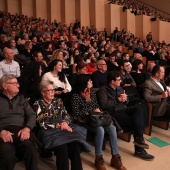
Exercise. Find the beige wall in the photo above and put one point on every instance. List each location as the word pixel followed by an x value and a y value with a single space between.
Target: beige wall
pixel 55 10
pixel 115 16
pixel 123 19
pixel 112 17
pixel 27 7
pixel 164 33
pixel 84 12
pixel 2 5
pixel 69 11
pixel 139 26
pixel 155 30
pixel 108 18
pixel 13 6
pixel 100 11
pixel 146 25
pixel 41 9
pixel 92 10
pixel 130 22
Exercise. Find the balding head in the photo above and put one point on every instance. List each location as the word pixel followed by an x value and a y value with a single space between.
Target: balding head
pixel 150 66
pixel 8 54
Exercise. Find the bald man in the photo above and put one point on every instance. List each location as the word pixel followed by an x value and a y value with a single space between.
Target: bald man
pixel 8 65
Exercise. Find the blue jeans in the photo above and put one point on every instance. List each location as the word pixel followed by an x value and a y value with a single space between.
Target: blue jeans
pixel 99 136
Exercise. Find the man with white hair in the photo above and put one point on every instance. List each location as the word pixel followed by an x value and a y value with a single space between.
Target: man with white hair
pixel 17 120
pixel 8 65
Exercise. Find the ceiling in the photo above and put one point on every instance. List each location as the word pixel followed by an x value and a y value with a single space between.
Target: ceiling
pixel 163 5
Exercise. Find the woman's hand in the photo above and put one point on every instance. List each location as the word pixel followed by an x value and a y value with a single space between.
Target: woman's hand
pixel 64 126
pixel 58 92
pixel 65 91
pixel 97 110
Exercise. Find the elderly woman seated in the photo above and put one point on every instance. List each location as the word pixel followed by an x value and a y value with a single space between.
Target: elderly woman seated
pixel 56 131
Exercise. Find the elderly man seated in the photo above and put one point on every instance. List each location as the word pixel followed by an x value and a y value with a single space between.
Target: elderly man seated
pixel 17 119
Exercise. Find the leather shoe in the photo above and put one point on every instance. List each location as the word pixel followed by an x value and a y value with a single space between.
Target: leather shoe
pixel 117 162
pixel 99 163
pixel 139 141
pixel 143 155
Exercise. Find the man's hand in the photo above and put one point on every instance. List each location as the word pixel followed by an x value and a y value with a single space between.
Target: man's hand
pixel 164 94
pixel 64 126
pixel 6 136
pixel 24 134
pixel 123 97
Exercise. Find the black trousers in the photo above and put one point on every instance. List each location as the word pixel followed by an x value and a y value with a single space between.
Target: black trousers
pixel 11 152
pixel 131 119
pixel 71 151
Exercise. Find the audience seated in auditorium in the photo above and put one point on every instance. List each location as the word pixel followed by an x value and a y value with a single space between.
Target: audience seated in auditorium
pixel 113 99
pixel 83 101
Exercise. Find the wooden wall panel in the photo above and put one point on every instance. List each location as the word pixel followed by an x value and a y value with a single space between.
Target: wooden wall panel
pixel 27 7
pixel 2 5
pixel 13 6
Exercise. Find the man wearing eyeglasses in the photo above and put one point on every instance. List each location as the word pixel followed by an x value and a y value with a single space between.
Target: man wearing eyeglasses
pixel 113 99
pixel 8 65
pixel 16 122
pixel 99 77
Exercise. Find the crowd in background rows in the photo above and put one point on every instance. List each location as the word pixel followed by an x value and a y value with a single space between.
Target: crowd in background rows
pixel 35 39
pixel 138 8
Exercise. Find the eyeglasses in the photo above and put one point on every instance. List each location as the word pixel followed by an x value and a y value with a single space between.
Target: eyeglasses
pixel 13 83
pixel 118 80
pixel 102 64
pixel 50 90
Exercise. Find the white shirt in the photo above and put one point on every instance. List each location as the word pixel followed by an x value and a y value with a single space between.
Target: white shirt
pixel 159 84
pixel 56 81
pixel 9 68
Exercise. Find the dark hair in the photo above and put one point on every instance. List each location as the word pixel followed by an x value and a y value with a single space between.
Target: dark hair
pixel 76 49
pixel 80 65
pixel 112 75
pixel 51 66
pixel 156 69
pixel 135 64
pixel 112 54
pixel 30 78
pixel 123 62
pixel 46 44
pixel 81 82
pixel 36 54
pixel 167 81
pixel 124 55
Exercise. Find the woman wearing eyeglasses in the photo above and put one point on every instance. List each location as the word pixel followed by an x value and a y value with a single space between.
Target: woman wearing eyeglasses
pixel 56 131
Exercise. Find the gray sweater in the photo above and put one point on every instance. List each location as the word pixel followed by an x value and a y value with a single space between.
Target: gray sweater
pixel 16 111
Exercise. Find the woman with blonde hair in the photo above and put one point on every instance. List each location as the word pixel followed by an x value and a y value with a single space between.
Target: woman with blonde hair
pixel 58 54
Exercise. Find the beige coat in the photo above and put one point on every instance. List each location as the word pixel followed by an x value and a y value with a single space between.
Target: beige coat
pixel 152 93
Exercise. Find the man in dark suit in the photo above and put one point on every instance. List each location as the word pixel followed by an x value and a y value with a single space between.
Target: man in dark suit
pixel 155 91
